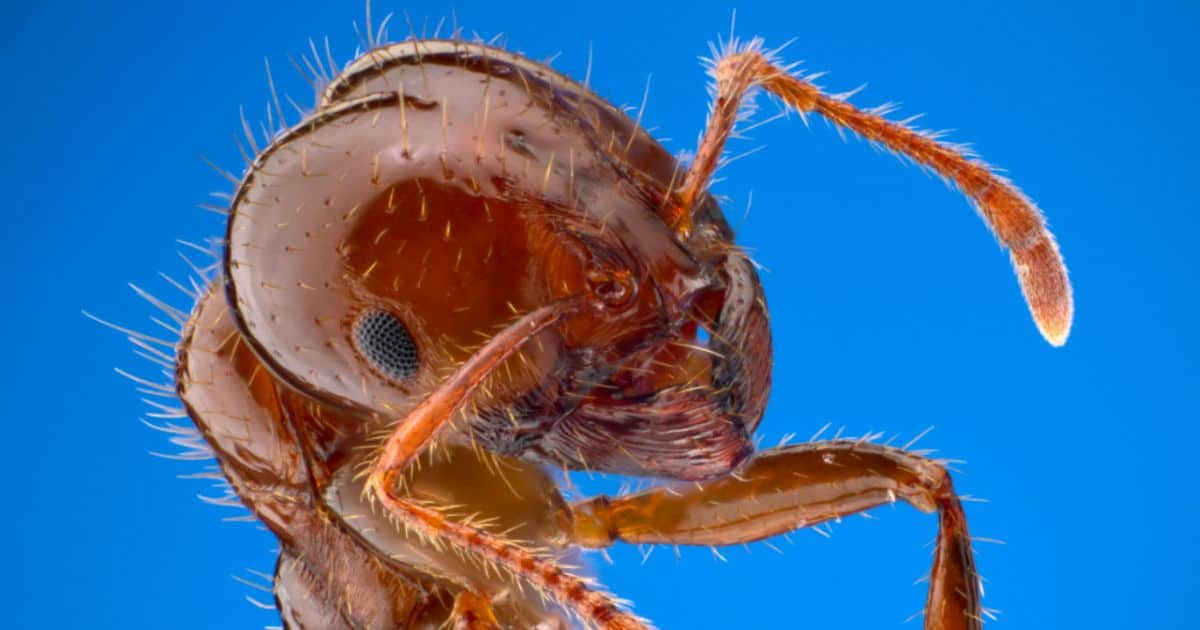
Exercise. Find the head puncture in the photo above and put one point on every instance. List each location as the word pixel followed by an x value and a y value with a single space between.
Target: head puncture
pixel 387 345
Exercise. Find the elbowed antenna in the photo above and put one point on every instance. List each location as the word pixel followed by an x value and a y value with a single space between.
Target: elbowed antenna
pixel 1016 221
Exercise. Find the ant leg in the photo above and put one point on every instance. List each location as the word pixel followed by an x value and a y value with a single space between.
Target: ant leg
pixel 1016 221
pixel 415 432
pixel 472 611
pixel 787 488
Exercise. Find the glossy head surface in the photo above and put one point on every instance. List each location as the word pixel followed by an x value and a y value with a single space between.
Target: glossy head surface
pixel 439 190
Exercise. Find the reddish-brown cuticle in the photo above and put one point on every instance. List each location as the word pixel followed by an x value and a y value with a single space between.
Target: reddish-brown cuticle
pixel 462 267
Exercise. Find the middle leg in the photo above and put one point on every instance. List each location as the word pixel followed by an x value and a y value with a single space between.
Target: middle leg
pixel 785 489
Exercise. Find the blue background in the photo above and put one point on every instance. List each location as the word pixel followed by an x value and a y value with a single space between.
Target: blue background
pixel 894 309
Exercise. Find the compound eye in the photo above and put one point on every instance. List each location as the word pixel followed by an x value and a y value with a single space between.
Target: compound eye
pixel 386 344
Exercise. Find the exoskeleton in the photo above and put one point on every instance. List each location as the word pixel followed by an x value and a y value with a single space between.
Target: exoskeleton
pixel 461 270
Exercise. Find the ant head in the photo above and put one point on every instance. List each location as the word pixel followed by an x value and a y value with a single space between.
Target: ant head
pixel 433 198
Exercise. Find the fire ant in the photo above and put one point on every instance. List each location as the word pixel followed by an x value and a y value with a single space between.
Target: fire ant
pixel 462 268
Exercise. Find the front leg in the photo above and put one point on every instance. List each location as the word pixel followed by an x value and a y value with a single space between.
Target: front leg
pixel 788 488
pixel 414 433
